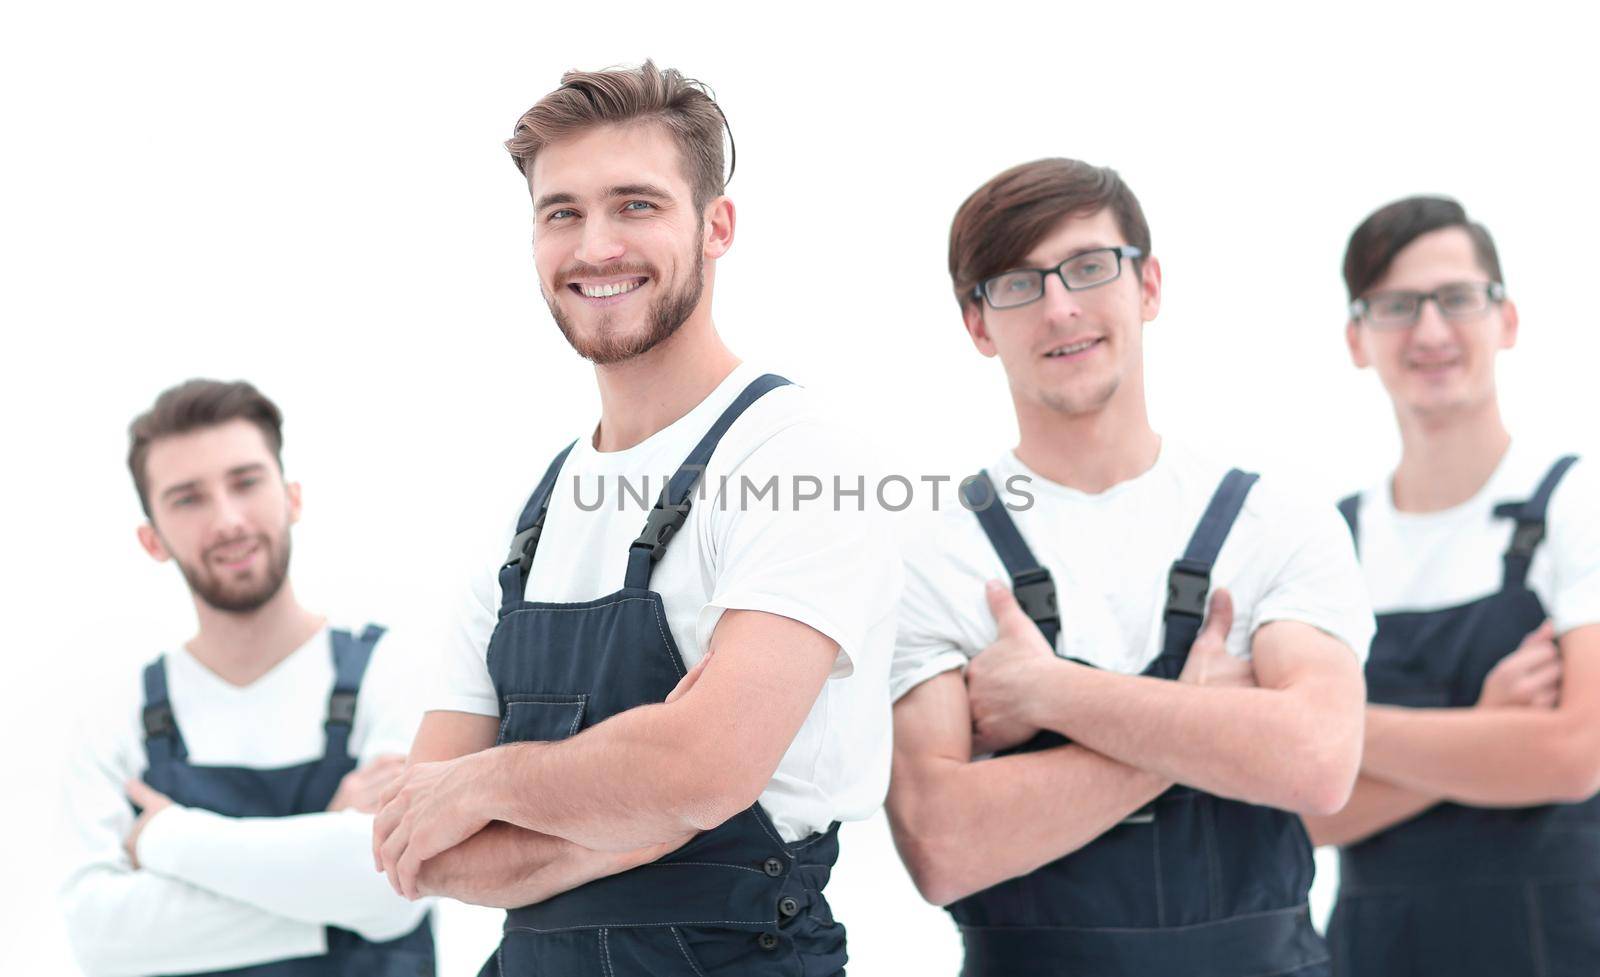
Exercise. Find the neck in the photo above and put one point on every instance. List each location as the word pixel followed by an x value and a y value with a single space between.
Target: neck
pixel 1445 460
pixel 1091 451
pixel 640 396
pixel 241 648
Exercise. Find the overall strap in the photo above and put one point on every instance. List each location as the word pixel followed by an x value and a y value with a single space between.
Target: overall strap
pixel 1189 581
pixel 1032 584
pixel 1350 508
pixel 163 742
pixel 350 657
pixel 514 572
pixel 1529 532
pixel 672 506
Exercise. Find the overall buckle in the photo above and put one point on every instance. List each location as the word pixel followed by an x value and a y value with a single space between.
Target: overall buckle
pixel 1035 591
pixel 663 522
pixel 1188 585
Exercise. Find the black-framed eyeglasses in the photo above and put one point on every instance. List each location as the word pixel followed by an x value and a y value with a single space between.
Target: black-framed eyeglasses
pixel 1402 309
pixel 1020 286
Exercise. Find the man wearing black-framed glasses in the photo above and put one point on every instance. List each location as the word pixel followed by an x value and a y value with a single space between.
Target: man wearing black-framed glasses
pixel 1471 844
pixel 1111 789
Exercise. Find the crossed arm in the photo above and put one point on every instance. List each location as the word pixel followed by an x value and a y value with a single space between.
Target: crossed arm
pixel 1213 729
pixel 560 814
pixel 1480 755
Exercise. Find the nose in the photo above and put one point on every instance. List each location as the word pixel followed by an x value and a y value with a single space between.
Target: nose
pixel 599 242
pixel 1431 328
pixel 227 518
pixel 1060 303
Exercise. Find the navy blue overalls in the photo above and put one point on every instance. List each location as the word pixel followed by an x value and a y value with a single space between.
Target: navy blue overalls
pixel 1461 890
pixel 305 788
pixel 736 899
pixel 1192 885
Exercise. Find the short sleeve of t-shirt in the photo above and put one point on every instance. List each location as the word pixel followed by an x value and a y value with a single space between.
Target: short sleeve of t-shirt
pixel 788 535
pixel 1572 547
pixel 925 634
pixel 1319 581
pixel 462 683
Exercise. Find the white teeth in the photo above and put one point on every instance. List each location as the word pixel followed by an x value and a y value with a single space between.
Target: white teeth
pixel 606 291
pixel 1074 348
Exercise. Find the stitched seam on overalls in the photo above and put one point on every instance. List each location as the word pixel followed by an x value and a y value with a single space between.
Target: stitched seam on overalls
pixel 661 626
pixel 500 959
pixel 797 845
pixel 1155 847
pixel 1530 896
pixel 605 953
pixel 771 833
pixel 1296 968
pixel 685 951
pixel 642 925
pixel 742 868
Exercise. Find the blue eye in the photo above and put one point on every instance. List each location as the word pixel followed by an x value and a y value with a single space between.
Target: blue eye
pixel 638 203
pixel 559 214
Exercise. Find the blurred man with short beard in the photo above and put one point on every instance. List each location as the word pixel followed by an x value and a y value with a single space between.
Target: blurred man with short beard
pixel 654 719
pixel 221 800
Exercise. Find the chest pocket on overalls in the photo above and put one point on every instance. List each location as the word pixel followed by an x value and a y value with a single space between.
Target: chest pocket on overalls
pixel 528 717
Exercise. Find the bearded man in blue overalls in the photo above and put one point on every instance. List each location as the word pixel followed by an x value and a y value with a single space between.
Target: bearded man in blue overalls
pixel 1472 842
pixel 653 718
pixel 220 797
pixel 1161 655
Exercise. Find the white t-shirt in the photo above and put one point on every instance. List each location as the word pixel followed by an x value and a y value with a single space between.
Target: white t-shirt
pixel 216 892
pixel 1109 554
pixel 1433 560
pixel 834 568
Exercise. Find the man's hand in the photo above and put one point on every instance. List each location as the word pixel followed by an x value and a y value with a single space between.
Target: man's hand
pixel 1209 662
pixel 1529 677
pixel 151 802
pixel 1000 679
pixel 429 808
pixel 362 787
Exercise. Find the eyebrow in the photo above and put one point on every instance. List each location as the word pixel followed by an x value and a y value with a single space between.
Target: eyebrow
pixel 253 468
pixel 621 190
pixel 1083 250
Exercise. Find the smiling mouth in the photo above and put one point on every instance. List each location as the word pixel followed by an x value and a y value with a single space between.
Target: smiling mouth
pixel 234 554
pixel 606 290
pixel 1073 349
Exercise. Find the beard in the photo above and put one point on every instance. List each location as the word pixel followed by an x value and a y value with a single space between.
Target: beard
pixel 245 596
pixel 670 310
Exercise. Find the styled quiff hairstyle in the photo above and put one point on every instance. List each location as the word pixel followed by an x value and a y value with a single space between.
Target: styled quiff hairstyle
pixel 622 95
pixel 197 404
pixel 1386 232
pixel 1005 218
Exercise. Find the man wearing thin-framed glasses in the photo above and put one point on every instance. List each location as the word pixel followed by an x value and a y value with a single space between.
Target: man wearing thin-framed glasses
pixel 1471 844
pixel 1170 671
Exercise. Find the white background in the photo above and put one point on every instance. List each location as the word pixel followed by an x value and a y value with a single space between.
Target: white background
pixel 314 197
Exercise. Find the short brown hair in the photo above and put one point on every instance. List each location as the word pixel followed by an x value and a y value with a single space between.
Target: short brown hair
pixel 1387 230
pixel 197 404
pixel 1005 218
pixel 619 95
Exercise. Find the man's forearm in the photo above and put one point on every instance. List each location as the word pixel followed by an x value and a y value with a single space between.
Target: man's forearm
pixel 310 867
pixel 589 790
pixel 949 815
pixel 1375 805
pixel 1509 757
pixel 1263 746
pixel 506 866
